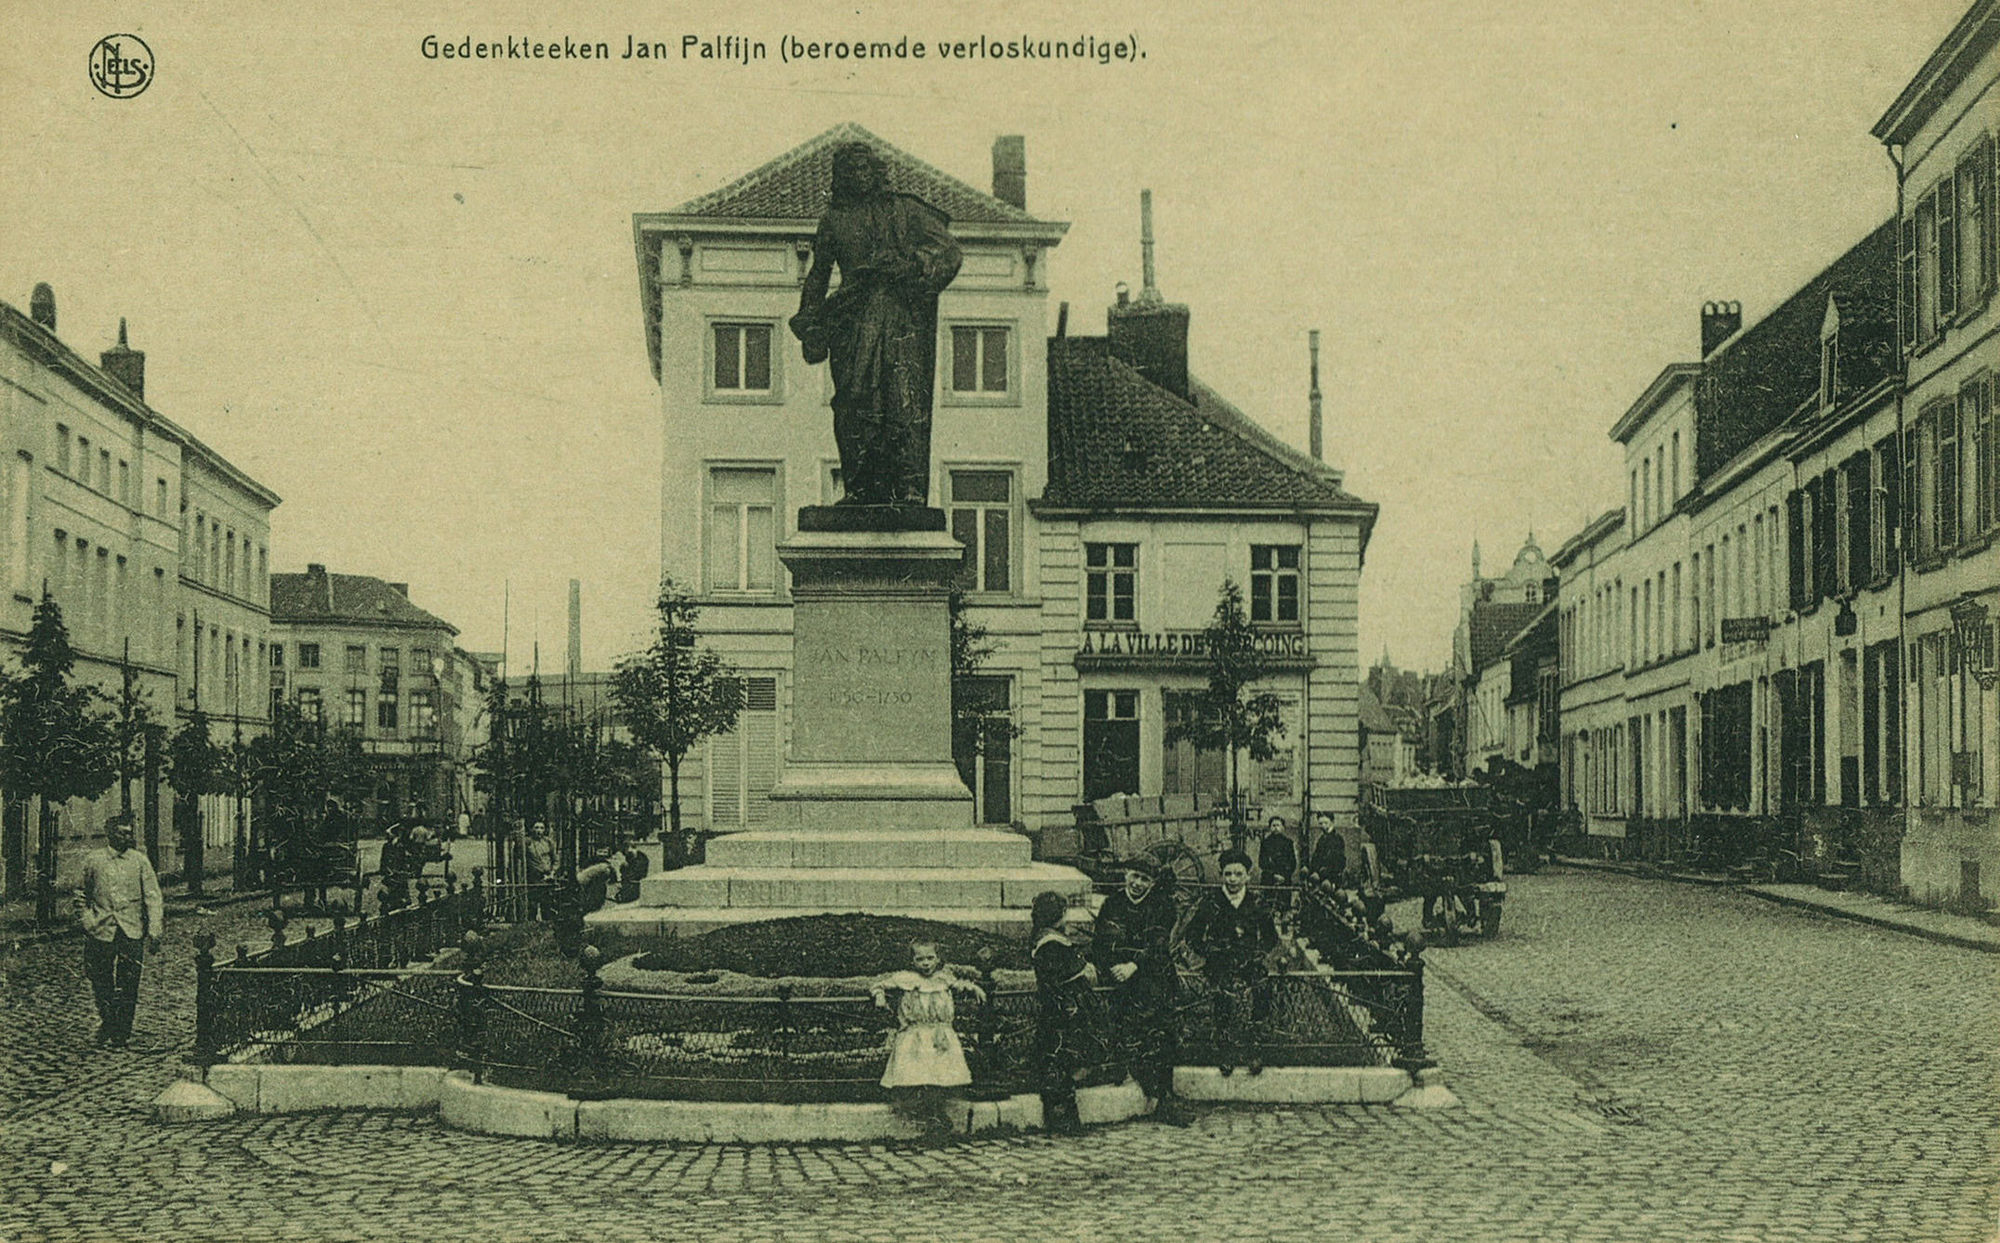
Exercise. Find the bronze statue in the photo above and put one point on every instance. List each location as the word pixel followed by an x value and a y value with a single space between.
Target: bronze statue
pixel 878 331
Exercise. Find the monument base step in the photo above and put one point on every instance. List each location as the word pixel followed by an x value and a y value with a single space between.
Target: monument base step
pixel 870 848
pixel 859 888
pixel 689 921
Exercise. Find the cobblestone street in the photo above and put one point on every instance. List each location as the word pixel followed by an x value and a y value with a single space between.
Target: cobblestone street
pixel 1636 1059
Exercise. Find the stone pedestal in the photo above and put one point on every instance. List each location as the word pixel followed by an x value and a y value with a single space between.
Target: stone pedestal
pixel 869 813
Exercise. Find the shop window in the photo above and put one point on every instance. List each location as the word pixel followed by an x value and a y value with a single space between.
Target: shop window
pixel 1110 743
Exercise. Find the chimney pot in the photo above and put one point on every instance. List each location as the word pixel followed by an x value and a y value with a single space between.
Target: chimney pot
pixel 1010 170
pixel 1719 322
pixel 42 306
pixel 316 569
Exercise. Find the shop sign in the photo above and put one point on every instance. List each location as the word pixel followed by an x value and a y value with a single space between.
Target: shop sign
pixel 1189 643
pixel 1745 629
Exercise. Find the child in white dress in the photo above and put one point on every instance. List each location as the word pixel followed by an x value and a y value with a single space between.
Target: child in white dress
pixel 925 1056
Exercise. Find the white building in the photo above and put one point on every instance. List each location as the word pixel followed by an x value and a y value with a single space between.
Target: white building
pixel 1102 492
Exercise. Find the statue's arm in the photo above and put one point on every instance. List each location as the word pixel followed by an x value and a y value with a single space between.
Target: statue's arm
pixel 806 325
pixel 935 251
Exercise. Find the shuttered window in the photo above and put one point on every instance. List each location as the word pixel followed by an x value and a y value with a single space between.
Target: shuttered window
pixel 743 764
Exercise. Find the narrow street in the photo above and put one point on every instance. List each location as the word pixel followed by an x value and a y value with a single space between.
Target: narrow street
pixel 1637 1060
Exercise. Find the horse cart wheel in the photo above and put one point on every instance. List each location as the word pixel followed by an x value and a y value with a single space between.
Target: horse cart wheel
pixel 1182 863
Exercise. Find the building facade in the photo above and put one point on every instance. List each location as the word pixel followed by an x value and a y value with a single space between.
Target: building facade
pixel 354 652
pixel 1102 493
pixel 157 549
pixel 1941 134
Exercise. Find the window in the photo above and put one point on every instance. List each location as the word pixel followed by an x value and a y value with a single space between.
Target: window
pixel 742 359
pixel 420 662
pixel 743 764
pixel 742 530
pixel 1111 577
pixel 979 360
pixel 277 656
pixel 390 662
pixel 308 655
pixel 1110 743
pixel 124 481
pixel 357 708
pixel 1974 186
pixel 357 658
pixel 62 448
pixel 1274 584
pixel 309 704
pixel 160 497
pixel 1674 472
pixel 385 709
pixel 982 519
pixel 1982 473
pixel 104 471
pixel 1183 768
pixel 423 712
pixel 985 752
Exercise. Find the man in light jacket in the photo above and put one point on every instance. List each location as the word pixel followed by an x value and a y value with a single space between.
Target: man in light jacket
pixel 122 914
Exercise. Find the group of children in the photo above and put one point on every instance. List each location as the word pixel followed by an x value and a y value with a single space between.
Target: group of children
pixel 1132 948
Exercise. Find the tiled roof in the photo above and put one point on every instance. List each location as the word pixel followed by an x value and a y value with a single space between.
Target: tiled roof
pixel 1117 439
pixel 1374 719
pixel 345 598
pixel 1754 383
pixel 1493 625
pixel 795 186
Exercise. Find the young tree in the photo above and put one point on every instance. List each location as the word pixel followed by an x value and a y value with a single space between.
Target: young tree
pixel 195 766
pixel 1227 715
pixel 675 694
pixel 975 724
pixel 299 774
pixel 56 743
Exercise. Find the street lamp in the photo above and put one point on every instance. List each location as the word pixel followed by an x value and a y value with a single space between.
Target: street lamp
pixel 1968 618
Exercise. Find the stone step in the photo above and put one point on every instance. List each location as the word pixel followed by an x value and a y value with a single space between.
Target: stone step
pixel 859 888
pixel 634 920
pixel 870 848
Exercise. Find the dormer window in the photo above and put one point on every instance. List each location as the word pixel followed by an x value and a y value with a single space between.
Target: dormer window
pixel 1829 357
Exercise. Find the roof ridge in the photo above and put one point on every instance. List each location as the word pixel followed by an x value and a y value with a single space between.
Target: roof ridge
pixel 845 132
pixel 1264 439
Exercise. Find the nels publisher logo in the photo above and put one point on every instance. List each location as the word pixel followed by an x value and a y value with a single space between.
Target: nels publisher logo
pixel 121 66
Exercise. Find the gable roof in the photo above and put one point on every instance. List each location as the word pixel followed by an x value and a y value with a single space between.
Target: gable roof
pixel 1371 715
pixel 1492 626
pixel 797 184
pixel 1117 440
pixel 1757 380
pixel 346 599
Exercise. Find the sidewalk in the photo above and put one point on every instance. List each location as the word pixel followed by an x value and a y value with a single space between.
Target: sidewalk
pixel 1945 928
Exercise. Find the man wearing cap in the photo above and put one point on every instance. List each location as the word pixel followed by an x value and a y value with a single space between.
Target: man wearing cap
pixel 122 913
pixel 1133 949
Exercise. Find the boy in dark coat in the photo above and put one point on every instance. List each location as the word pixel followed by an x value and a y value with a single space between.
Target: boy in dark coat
pixel 1133 948
pixel 1234 934
pixel 1069 1029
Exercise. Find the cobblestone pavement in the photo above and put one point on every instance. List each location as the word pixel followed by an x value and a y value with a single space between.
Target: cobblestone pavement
pixel 1638 1060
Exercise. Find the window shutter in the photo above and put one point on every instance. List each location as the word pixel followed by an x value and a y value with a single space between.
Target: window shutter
pixel 1892 501
pixel 1795 512
pixel 1859 572
pixel 1987 220
pixel 1947 250
pixel 1910 504
pixel 1906 267
pixel 1826 538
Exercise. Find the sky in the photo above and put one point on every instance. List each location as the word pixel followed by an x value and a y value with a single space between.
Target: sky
pixel 401 292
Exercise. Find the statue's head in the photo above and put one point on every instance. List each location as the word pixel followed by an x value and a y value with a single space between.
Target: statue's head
pixel 858 173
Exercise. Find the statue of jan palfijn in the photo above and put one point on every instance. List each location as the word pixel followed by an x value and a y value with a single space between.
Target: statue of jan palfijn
pixel 878 331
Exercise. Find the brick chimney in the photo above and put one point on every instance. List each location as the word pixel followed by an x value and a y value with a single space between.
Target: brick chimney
pixel 1719 322
pixel 1149 332
pixel 1010 170
pixel 42 306
pixel 124 364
